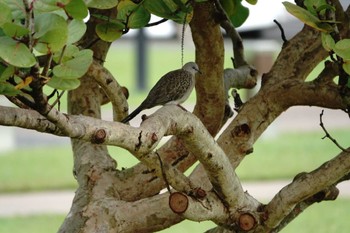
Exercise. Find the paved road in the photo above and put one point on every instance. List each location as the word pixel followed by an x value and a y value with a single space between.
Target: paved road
pixel 60 201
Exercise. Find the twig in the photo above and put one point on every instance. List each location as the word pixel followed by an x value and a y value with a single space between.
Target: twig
pixel 164 20
pixel 92 43
pixel 52 94
pixel 329 136
pixel 17 102
pixel 59 96
pixel 238 49
pixel 47 67
pixel 156 23
pixel 283 35
pixel 29 22
pixel 163 173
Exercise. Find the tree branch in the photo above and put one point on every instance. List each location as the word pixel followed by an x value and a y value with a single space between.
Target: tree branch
pixel 112 88
pixel 169 120
pixel 305 186
pixel 238 48
pixel 210 106
pixel 329 194
pixel 27 119
pixel 242 77
pixel 328 135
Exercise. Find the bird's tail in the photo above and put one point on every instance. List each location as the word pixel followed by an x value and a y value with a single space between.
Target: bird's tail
pixel 132 115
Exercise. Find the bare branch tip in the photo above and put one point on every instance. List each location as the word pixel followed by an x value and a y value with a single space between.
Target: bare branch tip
pixel 328 134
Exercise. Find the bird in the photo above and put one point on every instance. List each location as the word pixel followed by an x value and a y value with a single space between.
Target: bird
pixel 172 88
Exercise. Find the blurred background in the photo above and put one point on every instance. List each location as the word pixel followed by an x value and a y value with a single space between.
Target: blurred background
pixel 36 180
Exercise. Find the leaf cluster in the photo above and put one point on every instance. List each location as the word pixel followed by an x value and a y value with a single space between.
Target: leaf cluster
pixel 46 28
pixel 39 39
pixel 320 15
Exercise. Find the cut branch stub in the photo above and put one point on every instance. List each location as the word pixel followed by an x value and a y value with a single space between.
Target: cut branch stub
pixel 242 130
pixel 200 193
pixel 178 202
pixel 99 136
pixel 246 221
pixel 125 92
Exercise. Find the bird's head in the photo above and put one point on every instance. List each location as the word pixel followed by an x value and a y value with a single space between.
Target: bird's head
pixel 191 67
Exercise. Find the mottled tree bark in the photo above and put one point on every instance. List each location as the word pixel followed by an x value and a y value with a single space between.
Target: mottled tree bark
pixel 113 200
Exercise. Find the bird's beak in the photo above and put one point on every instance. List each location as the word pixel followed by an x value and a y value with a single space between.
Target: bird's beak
pixel 197 70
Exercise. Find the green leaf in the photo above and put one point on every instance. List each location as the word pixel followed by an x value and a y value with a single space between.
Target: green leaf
pixel 109 31
pixel 17 8
pixel 160 8
pixel 139 18
pixel 69 53
pixel 346 67
pixel 2 70
pixel 252 2
pixel 125 8
pixel 169 9
pixel 76 67
pixel 14 30
pixel 240 14
pixel 76 29
pixel 5 15
pixel 307 17
pixel 63 84
pixel 313 5
pixel 8 89
pixel 50 5
pixel 342 49
pixel 51 32
pixel 7 72
pixel 77 9
pixel 229 6
pixel 101 4
pixel 42 6
pixel 47 21
pixel 15 53
pixel 327 41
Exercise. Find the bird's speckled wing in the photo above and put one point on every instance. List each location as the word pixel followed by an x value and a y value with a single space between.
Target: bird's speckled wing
pixel 172 86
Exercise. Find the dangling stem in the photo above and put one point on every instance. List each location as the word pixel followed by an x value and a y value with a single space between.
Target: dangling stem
pixel 183 40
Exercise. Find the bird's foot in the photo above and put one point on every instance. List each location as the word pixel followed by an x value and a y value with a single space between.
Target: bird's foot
pixel 144 117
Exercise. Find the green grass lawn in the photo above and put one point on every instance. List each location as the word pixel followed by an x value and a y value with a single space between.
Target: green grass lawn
pixel 290 153
pixel 324 217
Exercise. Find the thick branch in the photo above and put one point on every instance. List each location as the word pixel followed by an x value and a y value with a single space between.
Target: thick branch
pixel 286 79
pixel 28 119
pixel 208 40
pixel 328 194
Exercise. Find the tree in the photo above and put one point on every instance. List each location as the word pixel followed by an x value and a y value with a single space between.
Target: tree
pixel 47 44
